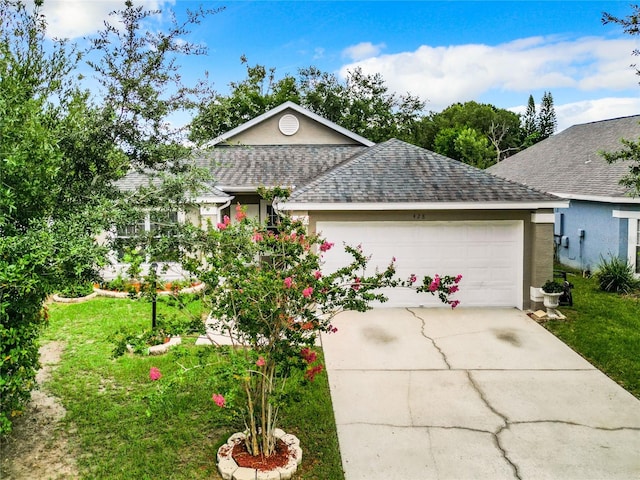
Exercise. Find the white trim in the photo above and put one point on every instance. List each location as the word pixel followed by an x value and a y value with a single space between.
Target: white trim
pixel 381 206
pixel 201 200
pixel 626 214
pixel 250 189
pixel 543 218
pixel 597 198
pixel 298 109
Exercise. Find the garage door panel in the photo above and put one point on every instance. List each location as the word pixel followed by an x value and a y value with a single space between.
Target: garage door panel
pixel 487 254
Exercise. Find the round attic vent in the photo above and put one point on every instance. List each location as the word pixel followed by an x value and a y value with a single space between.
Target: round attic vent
pixel 288 124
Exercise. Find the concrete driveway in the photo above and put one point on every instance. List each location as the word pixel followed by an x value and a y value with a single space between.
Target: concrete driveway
pixel 473 394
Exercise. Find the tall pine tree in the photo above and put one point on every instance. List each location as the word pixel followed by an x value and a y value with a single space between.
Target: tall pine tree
pixel 547 121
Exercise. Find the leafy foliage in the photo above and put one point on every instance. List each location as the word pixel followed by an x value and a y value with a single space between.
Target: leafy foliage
pixel 474 133
pixel 616 275
pixel 46 237
pixel 547 122
pixel 630 149
pixel 361 104
pixel 60 155
pixel 551 286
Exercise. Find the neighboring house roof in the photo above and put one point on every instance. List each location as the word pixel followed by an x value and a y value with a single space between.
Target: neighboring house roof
pixel 395 172
pixel 248 167
pixel 279 109
pixel 570 165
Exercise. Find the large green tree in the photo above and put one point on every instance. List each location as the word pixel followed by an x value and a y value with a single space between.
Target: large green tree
pixel 249 98
pixel 61 150
pixel 630 149
pixel 547 121
pixel 496 133
pixel 52 190
pixel 361 103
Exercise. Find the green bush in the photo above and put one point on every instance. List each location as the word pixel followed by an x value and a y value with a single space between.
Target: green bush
pixel 76 290
pixel 140 340
pixel 616 275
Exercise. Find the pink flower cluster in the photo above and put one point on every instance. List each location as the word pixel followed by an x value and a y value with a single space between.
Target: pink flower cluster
pixel 226 221
pixel 218 399
pixel 260 362
pixel 240 214
pixel 435 284
pixel 310 357
pixel 311 373
pixel 154 374
pixel 307 292
pixel 326 246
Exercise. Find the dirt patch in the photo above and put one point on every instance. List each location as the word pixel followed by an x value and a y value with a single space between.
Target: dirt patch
pixel 38 448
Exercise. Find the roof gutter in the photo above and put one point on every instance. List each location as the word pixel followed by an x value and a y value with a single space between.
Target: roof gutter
pixel 394 206
pixel 597 198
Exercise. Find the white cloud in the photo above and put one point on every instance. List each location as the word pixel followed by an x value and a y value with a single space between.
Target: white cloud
pixel 595 110
pixel 362 51
pixel 445 75
pixel 77 18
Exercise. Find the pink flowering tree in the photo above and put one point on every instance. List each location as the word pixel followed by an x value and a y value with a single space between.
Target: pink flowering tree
pixel 267 290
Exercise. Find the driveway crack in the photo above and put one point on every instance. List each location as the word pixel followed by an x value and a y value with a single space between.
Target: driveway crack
pixel 496 435
pixel 433 342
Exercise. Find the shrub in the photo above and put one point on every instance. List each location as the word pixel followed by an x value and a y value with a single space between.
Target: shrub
pixel 616 275
pixel 76 290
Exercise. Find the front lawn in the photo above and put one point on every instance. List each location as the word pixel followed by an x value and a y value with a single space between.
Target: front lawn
pixel 605 329
pixel 122 425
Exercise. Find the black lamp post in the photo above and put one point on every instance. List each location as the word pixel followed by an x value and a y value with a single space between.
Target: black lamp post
pixel 154 294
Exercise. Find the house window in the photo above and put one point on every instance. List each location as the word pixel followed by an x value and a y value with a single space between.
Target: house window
pixel 272 218
pixel 159 224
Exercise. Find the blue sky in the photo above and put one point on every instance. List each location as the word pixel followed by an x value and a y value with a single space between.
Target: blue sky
pixel 444 52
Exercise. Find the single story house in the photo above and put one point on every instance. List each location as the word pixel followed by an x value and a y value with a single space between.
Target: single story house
pixel 602 219
pixel 432 213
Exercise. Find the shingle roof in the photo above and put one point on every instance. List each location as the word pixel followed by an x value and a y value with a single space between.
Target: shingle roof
pixel 135 179
pixel 570 162
pixel 273 165
pixel 395 171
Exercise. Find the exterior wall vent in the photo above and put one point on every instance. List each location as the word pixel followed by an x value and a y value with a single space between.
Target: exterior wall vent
pixel 288 124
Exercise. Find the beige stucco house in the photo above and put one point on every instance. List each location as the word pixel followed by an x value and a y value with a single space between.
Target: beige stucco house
pixel 432 213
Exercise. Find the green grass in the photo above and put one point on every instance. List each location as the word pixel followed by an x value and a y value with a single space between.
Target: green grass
pixel 605 329
pixel 121 425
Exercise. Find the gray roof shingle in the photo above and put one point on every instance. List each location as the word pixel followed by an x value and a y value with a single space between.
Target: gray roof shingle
pixel 395 171
pixel 273 165
pixel 570 162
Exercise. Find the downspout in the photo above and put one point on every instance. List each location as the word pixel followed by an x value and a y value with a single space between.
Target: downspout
pixel 223 207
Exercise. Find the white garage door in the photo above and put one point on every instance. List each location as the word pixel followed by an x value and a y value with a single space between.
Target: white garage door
pixel 489 255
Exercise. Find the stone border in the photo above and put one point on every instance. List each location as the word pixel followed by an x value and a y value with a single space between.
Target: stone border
pixel 116 294
pixel 58 299
pixel 164 347
pixel 229 469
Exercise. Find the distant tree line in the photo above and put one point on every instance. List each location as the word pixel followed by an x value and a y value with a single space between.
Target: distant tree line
pixel 475 133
